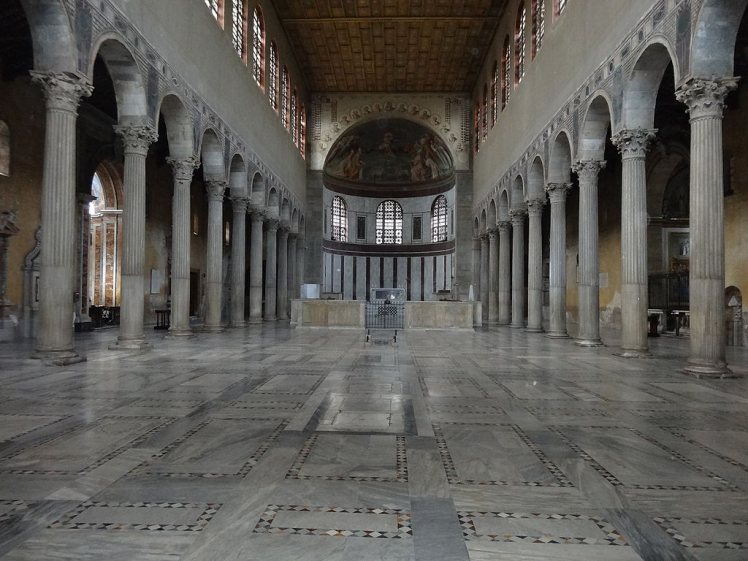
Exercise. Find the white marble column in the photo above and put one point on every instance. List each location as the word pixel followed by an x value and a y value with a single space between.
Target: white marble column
pixel 238 263
pixel 557 195
pixel 270 269
pixel 518 267
pixel 484 276
pixel 505 273
pixel 476 268
pixel 256 218
pixel 293 290
pixel 633 146
pixel 214 261
pixel 182 171
pixel 282 277
pixel 588 288
pixel 54 342
pixel 535 266
pixel 135 139
pixel 300 264
pixel 493 276
pixel 705 99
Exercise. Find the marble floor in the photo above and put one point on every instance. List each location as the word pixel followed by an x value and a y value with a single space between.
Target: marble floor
pixel 273 444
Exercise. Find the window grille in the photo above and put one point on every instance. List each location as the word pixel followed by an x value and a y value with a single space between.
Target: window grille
pixel 506 74
pixel 258 47
pixel 389 223
pixel 538 25
pixel 273 76
pixel 520 44
pixel 439 220
pixel 339 220
pixel 239 27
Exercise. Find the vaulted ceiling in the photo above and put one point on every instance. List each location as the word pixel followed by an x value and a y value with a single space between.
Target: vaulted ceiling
pixel 390 45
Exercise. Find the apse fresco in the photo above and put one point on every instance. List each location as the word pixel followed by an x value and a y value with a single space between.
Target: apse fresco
pixel 389 152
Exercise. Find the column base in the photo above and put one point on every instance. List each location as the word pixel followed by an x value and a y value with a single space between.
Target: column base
pixel 213 329
pixel 589 343
pixel 557 335
pixel 517 326
pixel 182 333
pixel 254 321
pixel 534 330
pixel 130 345
pixel 58 358
pixel 709 371
pixel 238 325
pixel 634 353
pixel 270 319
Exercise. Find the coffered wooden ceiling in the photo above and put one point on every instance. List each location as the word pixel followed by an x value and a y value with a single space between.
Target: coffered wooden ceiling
pixel 390 45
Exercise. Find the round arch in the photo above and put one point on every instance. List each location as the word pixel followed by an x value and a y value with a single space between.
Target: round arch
pixel 179 126
pixel 561 158
pixel 714 36
pixel 640 90
pixel 596 127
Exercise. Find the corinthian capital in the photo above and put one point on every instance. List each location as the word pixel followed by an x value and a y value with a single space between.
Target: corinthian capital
pixel 256 214
pixel 216 189
pixel 240 204
pixel 557 191
pixel 588 170
pixel 183 168
pixel 634 143
pixel 518 217
pixel 136 138
pixel 535 207
pixel 705 97
pixel 505 227
pixel 62 90
pixel 272 224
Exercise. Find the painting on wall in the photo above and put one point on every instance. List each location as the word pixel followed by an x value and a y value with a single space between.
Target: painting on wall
pixel 389 152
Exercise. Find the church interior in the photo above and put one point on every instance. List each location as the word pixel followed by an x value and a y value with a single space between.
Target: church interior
pixel 373 279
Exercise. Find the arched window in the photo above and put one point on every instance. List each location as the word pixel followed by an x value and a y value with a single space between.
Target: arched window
pixel 339 220
pixel 484 112
pixel 476 119
pixel 560 6
pixel 389 223
pixel 506 74
pixel 294 118
pixel 216 10
pixel 258 47
pixel 273 76
pixel 520 40
pixel 239 28
pixel 302 131
pixel 285 87
pixel 494 92
pixel 4 149
pixel 439 219
pixel 538 25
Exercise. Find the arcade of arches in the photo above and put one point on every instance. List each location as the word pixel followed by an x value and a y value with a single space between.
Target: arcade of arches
pixel 566 180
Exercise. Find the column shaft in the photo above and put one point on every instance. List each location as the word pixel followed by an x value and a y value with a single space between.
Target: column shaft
pixel 557 195
pixel 493 277
pixel 476 268
pixel 183 170
pixel 293 290
pixel 238 261
pixel 270 270
pixel 300 254
pixel 518 268
pixel 505 273
pixel 57 272
pixel 484 276
pixel 255 267
pixel 535 266
pixel 214 281
pixel 135 139
pixel 282 278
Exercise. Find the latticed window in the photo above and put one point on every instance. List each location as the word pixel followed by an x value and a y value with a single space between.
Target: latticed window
pixel 484 112
pixel 273 76
pixel 520 40
pixel 477 126
pixel 302 131
pixel 538 25
pixel 506 74
pixel 295 118
pixel 439 220
pixel 339 220
pixel 239 28
pixel 494 93
pixel 285 89
pixel 215 8
pixel 258 47
pixel 389 223
pixel 561 6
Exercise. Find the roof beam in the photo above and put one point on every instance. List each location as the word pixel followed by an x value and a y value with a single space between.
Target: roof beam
pixel 396 19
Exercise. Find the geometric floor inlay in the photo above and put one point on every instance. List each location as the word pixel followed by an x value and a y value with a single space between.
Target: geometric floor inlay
pixel 706 532
pixel 335 522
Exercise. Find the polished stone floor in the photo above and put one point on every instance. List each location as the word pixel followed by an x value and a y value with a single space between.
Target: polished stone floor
pixel 274 444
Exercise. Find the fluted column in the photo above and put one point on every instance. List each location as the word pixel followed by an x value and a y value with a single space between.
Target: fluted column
pixel 214 284
pixel 633 146
pixel 300 257
pixel 588 287
pixel 484 276
pixel 518 267
pixel 238 263
pixel 270 269
pixel 282 278
pixel 54 340
pixel 476 268
pixel 505 273
pixel 293 291
pixel 535 266
pixel 182 171
pixel 705 99
pixel 557 195
pixel 135 139
pixel 256 218
pixel 493 276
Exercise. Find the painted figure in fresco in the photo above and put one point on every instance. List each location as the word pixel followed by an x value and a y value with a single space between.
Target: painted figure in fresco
pixel 353 165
